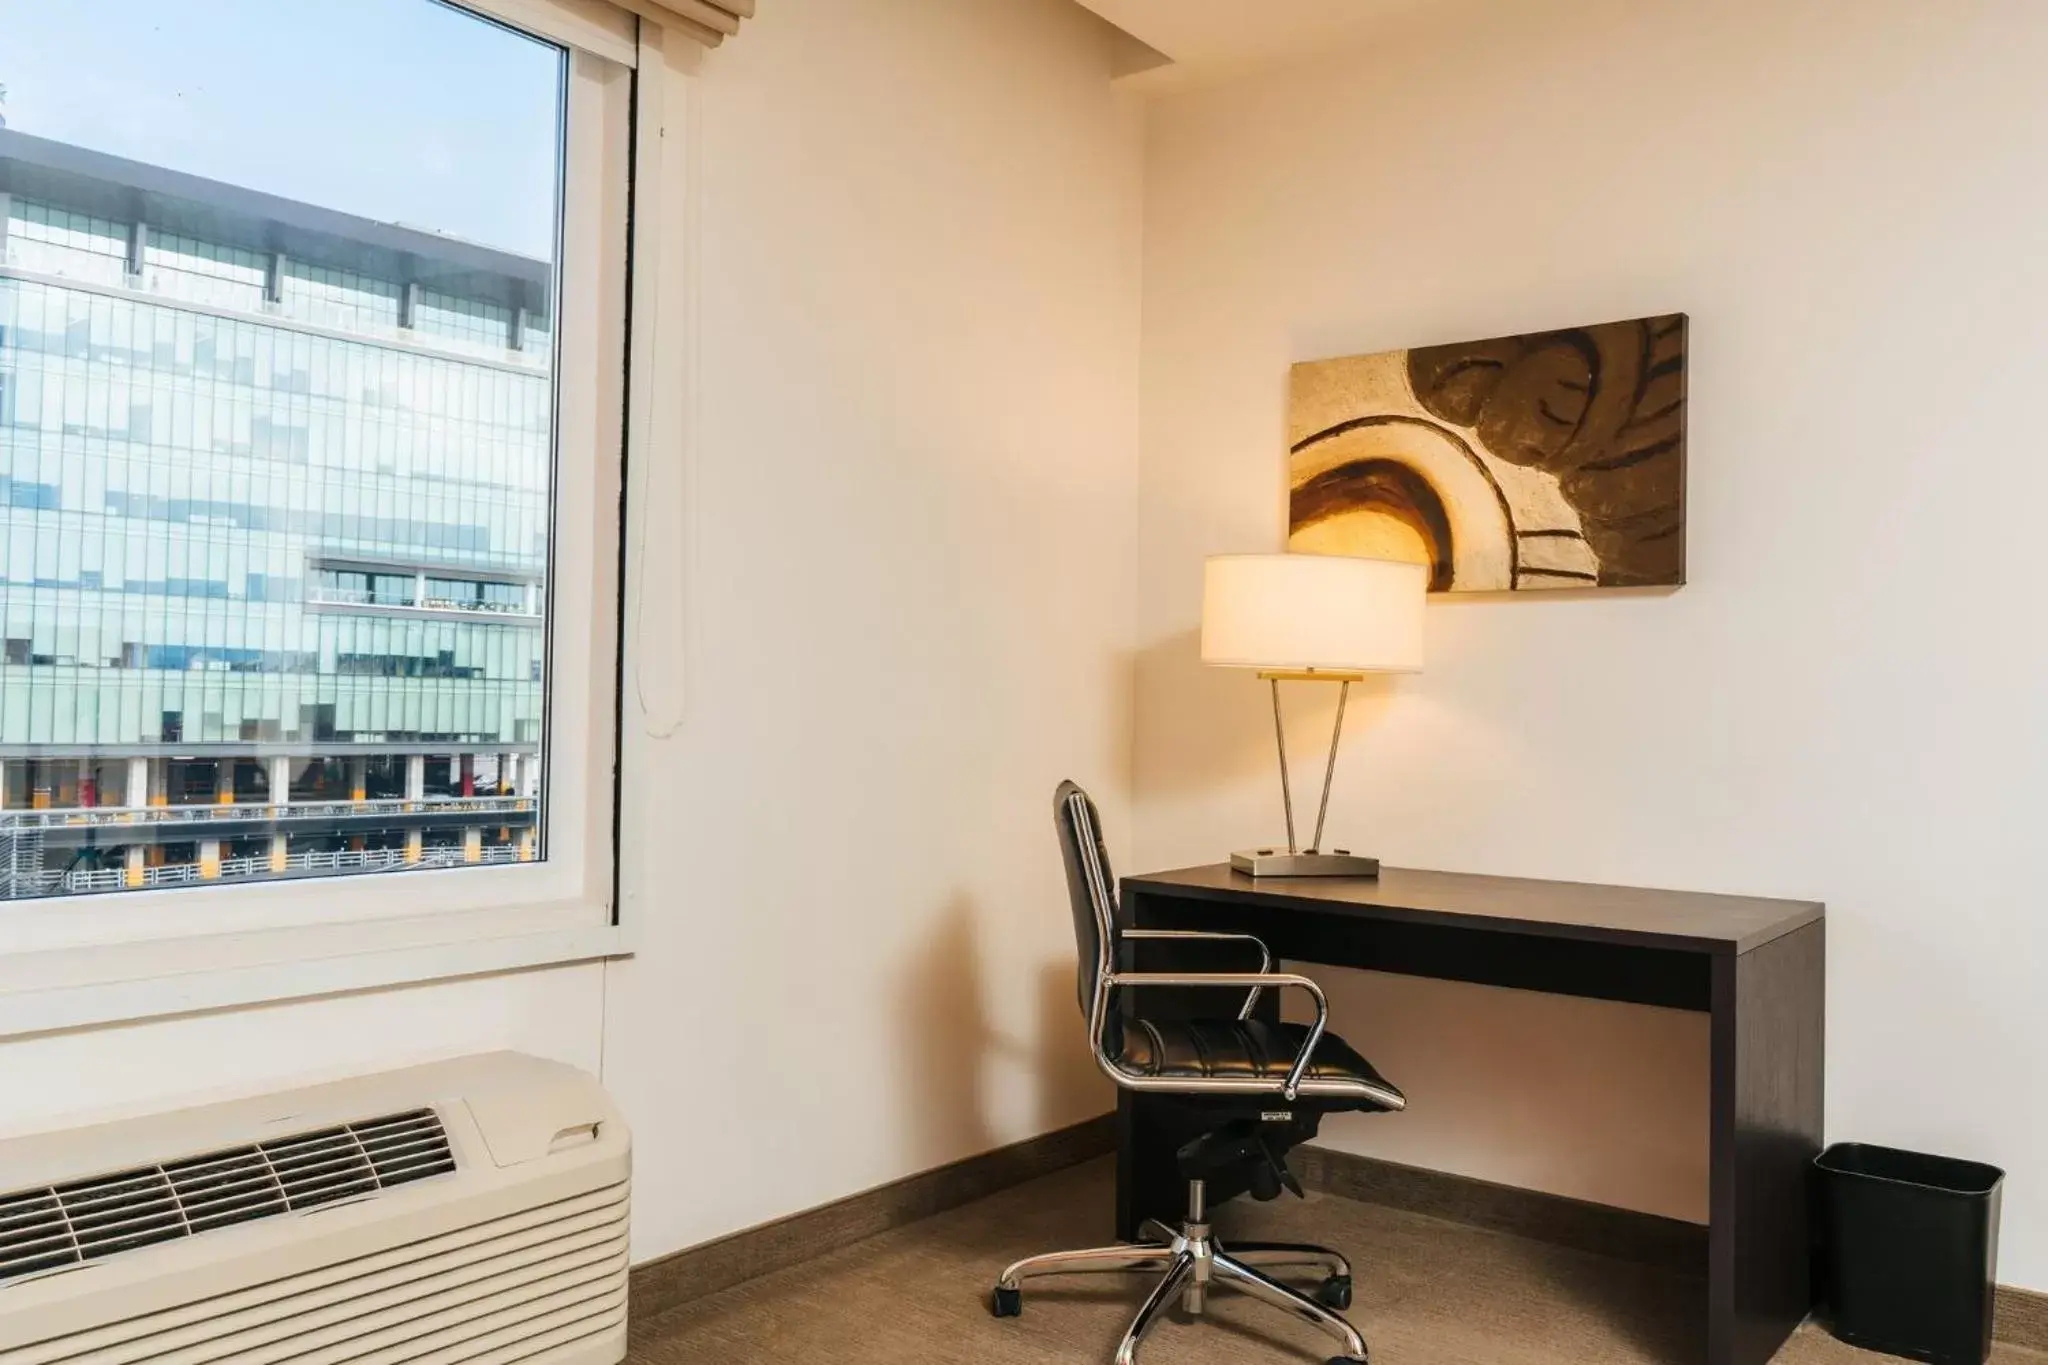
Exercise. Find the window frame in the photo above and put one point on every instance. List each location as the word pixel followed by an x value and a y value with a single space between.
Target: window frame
pixel 79 960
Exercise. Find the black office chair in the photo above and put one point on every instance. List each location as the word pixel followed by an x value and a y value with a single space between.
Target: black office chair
pixel 1266 1084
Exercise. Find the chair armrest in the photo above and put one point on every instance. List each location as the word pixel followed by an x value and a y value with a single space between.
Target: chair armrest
pixel 1240 980
pixel 1214 936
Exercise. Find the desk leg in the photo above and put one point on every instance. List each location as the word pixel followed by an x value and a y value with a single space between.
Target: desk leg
pixel 1769 1018
pixel 1148 1183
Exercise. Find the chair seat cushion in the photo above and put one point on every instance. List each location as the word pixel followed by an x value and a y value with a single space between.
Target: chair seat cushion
pixel 1226 1048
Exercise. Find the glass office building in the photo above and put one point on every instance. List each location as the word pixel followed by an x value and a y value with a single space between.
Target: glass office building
pixel 274 513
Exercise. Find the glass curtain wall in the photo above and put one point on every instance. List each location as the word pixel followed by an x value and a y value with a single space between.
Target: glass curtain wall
pixel 275 483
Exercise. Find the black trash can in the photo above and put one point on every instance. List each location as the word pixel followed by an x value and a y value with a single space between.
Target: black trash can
pixel 1909 1251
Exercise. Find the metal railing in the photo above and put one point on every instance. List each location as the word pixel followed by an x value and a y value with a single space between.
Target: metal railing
pixel 353 597
pixel 245 869
pixel 74 817
pixel 480 608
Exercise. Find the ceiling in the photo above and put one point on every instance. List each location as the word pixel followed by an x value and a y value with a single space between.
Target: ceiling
pixel 1206 41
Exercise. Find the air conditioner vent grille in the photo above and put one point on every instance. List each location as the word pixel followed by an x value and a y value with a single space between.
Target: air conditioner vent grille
pixel 41 1229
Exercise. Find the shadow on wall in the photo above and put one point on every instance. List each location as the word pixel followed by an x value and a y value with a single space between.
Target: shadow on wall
pixel 1588 1099
pixel 1070 1088
pixel 1231 713
pixel 942 1018
pixel 956 1057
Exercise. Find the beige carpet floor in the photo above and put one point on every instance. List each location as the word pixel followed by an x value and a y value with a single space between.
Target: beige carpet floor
pixel 1428 1293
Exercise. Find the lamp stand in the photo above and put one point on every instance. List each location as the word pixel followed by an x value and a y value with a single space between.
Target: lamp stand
pixel 1311 861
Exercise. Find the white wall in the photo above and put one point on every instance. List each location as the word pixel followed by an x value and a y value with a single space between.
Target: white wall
pixel 893 583
pixel 52 1079
pixel 1845 702
pixel 892 594
pixel 905 577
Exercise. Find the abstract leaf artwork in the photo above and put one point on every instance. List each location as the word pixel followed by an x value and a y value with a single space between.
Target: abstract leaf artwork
pixel 1550 460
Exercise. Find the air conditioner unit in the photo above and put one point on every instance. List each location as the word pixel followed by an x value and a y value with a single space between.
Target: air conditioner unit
pixel 472 1210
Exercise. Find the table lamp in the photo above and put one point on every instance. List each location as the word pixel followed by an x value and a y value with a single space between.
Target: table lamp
pixel 1311 618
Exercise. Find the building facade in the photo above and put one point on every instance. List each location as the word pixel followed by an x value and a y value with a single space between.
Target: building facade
pixel 275 489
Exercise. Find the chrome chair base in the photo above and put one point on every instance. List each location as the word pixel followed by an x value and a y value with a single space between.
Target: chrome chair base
pixel 1193 1261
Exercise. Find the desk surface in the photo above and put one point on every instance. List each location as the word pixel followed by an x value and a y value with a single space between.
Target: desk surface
pixel 1757 967
pixel 1691 920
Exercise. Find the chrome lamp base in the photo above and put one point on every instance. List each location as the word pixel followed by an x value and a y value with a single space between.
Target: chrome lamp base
pixel 1294 861
pixel 1278 862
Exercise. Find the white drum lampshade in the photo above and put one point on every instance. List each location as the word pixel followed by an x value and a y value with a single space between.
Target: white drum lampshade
pixel 1319 618
pixel 1313 613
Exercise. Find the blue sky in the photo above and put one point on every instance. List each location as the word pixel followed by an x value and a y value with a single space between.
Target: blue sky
pixel 405 111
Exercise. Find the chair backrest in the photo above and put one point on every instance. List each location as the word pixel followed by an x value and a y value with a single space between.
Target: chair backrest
pixel 1091 886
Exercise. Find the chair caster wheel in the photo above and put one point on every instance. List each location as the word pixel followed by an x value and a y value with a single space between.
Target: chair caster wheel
pixel 1335 1292
pixel 1006 1303
pixel 1348 1360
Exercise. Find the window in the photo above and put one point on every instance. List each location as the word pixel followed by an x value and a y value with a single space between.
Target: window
pixel 310 376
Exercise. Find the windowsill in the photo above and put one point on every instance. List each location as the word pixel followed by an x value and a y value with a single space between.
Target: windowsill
pixel 70 988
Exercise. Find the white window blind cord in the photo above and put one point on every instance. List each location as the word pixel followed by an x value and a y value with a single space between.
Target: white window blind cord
pixel 669 446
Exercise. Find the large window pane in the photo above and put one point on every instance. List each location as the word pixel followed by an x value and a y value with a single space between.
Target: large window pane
pixel 277 438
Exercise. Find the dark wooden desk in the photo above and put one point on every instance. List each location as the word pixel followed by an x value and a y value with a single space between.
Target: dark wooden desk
pixel 1757 966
